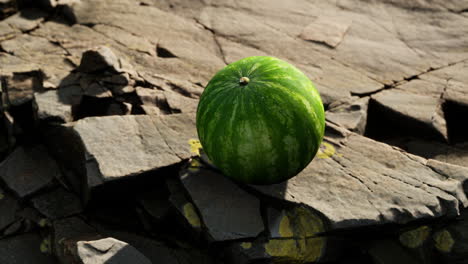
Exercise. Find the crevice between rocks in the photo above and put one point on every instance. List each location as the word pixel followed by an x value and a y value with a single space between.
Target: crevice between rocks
pixel 386 125
pixel 431 69
pixel 164 53
pixel 167 144
pixel 457 130
pixel 221 53
pixel 356 70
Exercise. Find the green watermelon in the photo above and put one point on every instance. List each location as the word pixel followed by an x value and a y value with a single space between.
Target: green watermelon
pixel 260 120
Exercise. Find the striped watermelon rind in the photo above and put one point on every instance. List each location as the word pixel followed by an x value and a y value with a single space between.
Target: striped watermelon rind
pixel 260 120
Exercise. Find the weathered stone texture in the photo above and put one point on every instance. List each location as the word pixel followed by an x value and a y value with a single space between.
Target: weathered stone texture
pixel 98 104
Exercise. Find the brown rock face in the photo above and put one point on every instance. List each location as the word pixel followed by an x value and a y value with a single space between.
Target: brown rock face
pixel 100 161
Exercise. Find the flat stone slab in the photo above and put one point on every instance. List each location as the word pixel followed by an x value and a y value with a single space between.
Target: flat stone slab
pixel 56 105
pixel 227 211
pixel 28 169
pixel 121 146
pixel 359 182
pixel 58 203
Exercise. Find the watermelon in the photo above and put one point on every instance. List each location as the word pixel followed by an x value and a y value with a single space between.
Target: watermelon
pixel 260 120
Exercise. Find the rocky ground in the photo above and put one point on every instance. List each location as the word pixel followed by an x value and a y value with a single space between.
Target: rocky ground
pixel 100 161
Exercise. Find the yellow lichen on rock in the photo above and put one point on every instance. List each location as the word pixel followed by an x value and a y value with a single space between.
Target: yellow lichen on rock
pixel 44 222
pixel 194 165
pixel 45 246
pixel 191 215
pixel 307 225
pixel 195 146
pixel 283 248
pixel 444 241
pixel 416 237
pixel 326 150
pixel 299 242
pixel 285 227
pixel 246 245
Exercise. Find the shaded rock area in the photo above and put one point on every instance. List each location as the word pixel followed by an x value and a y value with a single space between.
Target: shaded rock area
pixel 100 161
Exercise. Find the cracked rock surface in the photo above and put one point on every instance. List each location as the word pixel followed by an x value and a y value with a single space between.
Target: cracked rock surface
pixel 99 157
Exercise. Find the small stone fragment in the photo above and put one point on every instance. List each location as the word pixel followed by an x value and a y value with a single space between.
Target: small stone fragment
pixel 98 59
pixel 156 251
pixel 68 231
pixel 109 251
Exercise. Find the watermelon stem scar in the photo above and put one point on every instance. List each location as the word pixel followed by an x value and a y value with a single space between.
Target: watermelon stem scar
pixel 244 80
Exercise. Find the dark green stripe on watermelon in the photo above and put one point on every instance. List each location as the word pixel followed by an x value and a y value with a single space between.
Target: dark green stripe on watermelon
pixel 262 129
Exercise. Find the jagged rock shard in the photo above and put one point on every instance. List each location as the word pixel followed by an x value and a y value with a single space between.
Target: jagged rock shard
pixel 227 211
pixel 66 232
pixel 364 182
pixel 24 249
pixel 109 251
pixel 28 169
pixel 120 146
pixel 100 58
